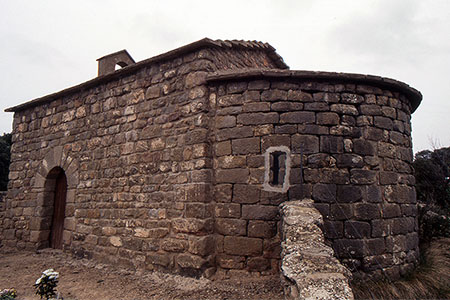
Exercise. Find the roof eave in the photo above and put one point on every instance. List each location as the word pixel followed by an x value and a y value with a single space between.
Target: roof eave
pixel 205 42
pixel 414 96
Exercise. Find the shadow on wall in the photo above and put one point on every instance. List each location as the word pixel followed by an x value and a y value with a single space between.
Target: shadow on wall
pixel 2 213
pixel 2 201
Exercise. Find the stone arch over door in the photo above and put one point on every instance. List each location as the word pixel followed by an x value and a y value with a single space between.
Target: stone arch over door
pixel 56 162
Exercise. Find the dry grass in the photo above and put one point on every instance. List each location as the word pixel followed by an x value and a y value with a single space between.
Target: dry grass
pixel 431 280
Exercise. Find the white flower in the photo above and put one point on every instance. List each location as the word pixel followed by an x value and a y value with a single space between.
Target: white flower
pixel 39 279
pixel 50 273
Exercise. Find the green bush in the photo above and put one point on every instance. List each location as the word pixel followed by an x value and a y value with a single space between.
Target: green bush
pixel 8 294
pixel 46 284
pixel 432 172
pixel 432 175
pixel 5 156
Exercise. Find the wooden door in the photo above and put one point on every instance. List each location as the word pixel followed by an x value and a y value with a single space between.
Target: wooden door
pixel 56 237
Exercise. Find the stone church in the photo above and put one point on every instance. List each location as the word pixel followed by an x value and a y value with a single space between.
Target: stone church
pixel 179 163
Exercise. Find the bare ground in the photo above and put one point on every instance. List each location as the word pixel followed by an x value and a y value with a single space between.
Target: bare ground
pixel 82 279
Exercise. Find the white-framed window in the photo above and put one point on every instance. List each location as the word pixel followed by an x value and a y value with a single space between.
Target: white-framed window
pixel 277 165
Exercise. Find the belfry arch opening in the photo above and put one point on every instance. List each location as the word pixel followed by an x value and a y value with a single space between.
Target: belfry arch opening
pixel 56 193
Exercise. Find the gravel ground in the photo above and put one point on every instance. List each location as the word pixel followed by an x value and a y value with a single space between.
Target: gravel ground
pixel 82 279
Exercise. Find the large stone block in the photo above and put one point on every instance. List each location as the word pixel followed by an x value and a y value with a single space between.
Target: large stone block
pixel 348 193
pixel 234 245
pixel 236 87
pixel 346 248
pixel 259 85
pixel 275 140
pixel 196 210
pixel 231 161
pixel 232 176
pixel 364 147
pixel 317 106
pixel 246 145
pixel 192 226
pixel 388 178
pixel 390 210
pixel 195 78
pixel 174 245
pixel 286 106
pixel 345 109
pixel 360 176
pixel 230 261
pixel 229 100
pixel 409 210
pixel 225 121
pixel 227 210
pixel 327 118
pixel 258 264
pixel 201 245
pixel 297 95
pixel 305 144
pixel 158 259
pixel 367 211
pixel 35 236
pixel 331 144
pixel 298 117
pixel 248 194
pixel 256 107
pixel 234 133
pixel 341 211
pixel 383 122
pixel 403 225
pixel 348 160
pixel 375 246
pixel 262 229
pixel 357 229
pixel 371 109
pixel 251 96
pixel 223 192
pixel 223 148
pixel 324 193
pixel 231 226
pixel 259 212
pixel 257 118
pixel 191 261
pixel 326 175
pixel 400 194
pixel 351 98
pixel 333 229
pixel 381 228
pixel 274 95
pixel 312 129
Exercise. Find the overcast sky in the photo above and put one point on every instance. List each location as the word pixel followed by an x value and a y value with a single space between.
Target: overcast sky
pixel 51 45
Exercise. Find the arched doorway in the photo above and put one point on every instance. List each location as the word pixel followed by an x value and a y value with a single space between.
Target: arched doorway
pixel 59 207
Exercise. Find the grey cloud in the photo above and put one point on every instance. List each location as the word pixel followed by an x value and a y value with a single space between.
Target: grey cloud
pixel 385 32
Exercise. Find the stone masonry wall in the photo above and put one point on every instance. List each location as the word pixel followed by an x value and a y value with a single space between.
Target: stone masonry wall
pixel 172 164
pixel 350 150
pixel 137 156
pixel 141 153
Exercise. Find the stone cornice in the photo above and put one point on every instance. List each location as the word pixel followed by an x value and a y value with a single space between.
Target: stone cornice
pixel 414 96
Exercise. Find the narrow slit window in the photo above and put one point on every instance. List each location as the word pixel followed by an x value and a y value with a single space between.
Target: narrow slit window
pixel 277 168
